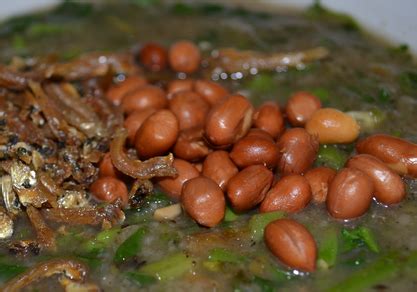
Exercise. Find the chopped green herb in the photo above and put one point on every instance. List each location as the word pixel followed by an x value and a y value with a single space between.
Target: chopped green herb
pixel 368 120
pixel 44 29
pixel 328 248
pixel 262 83
pixel 358 237
pixel 141 279
pixel 258 223
pixel 8 271
pixel 130 247
pixel 225 256
pixel 169 268
pixel 264 284
pixel 331 156
pixel 322 93
pixel 230 215
pixel 97 245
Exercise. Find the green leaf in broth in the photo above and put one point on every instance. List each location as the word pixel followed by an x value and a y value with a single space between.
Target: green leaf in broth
pixel 331 156
pixel 131 246
pixel 328 248
pixel 258 222
pixel 358 237
pixel 141 279
pixel 8 271
pixel 168 268
pixel 225 256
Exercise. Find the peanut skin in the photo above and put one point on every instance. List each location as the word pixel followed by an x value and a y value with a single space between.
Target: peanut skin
pixel 268 117
pixel 350 194
pixel 388 186
pixel 204 201
pixel 300 107
pixel 290 194
pixel 399 154
pixel 219 167
pixel 319 179
pixel 292 244
pixel 248 188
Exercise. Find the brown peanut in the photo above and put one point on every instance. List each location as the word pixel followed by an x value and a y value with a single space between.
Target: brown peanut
pixel 153 56
pixel 116 92
pixel 219 167
pixel 297 151
pixel 204 201
pixel 388 185
pixel 253 150
pixel 211 91
pixel 268 117
pixel 179 85
pixel 300 107
pixel 229 120
pixel 172 186
pixel 319 179
pixel 290 194
pixel 144 97
pixel 157 134
pixel 332 126
pixel 190 145
pixel 399 154
pixel 292 244
pixel 350 194
pixel 134 121
pixel 184 56
pixel 189 108
pixel 248 188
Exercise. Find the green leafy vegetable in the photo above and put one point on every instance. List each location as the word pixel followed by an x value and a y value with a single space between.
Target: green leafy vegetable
pixel 358 237
pixel 8 271
pixel 368 120
pixel 264 284
pixel 317 11
pixel 141 279
pixel 258 222
pixel 169 268
pixel 95 246
pixel 130 247
pixel 328 248
pixel 262 83
pixel 225 256
pixel 322 93
pixel 230 215
pixel 44 29
pixel 331 156
pixel 383 269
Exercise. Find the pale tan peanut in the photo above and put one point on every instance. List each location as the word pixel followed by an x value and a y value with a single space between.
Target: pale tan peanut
pixel 211 91
pixel 319 179
pixel 189 108
pixel 292 244
pixel 248 188
pixel 350 194
pixel 297 151
pixel 290 194
pixel 172 186
pixel 229 120
pixel 219 167
pixel 333 126
pixel 253 150
pixel 268 117
pixel 157 134
pixel 388 185
pixel 204 201
pixel 300 107
pixel 134 121
pixel 399 154
pixel 184 56
pixel 190 145
pixel 116 92
pixel 145 97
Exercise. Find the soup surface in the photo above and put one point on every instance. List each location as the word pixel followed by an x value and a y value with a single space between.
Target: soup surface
pixel 374 82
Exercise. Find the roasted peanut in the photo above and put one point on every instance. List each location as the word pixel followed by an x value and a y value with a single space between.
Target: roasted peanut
pixel 109 189
pixel 212 92
pixel 184 56
pixel 268 117
pixel 332 126
pixel 290 194
pixel 145 97
pixel 106 167
pixel 157 134
pixel 319 179
pixel 248 188
pixel 292 244
pixel 399 154
pixel 254 132
pixel 350 194
pixel 116 92
pixel 153 56
pixel 388 185
pixel 253 150
pixel 300 107
pixel 134 121
pixel 297 151
pixel 178 85
pixel 204 201
pixel 229 120
pixel 189 108
pixel 219 167
pixel 190 145
pixel 172 186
